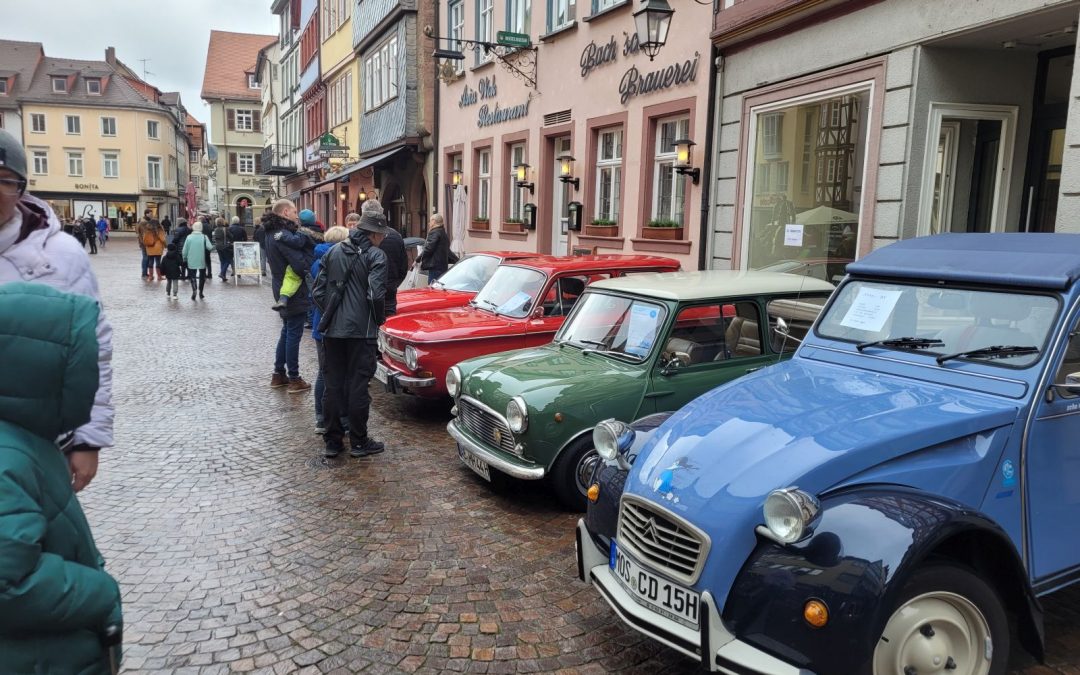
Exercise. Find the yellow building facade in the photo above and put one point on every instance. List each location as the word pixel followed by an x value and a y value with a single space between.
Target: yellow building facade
pixel 340 69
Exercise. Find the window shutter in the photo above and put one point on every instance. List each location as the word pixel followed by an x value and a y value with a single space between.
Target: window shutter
pixel 232 119
pixel 232 162
pixel 258 163
pixel 256 120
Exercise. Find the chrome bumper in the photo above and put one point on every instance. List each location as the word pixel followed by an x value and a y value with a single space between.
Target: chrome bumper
pixel 495 461
pixel 397 383
pixel 723 653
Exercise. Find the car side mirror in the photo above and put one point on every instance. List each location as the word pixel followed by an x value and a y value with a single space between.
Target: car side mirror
pixel 784 330
pixel 674 362
pixel 1070 387
pixel 538 312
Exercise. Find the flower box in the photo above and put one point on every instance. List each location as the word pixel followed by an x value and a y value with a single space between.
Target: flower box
pixel 602 230
pixel 509 226
pixel 663 233
pixel 481 225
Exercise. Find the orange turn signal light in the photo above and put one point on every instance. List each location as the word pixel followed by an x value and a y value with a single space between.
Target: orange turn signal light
pixel 594 492
pixel 816 613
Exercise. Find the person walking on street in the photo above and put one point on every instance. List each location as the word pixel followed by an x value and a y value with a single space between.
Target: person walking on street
pixel 260 238
pixel 207 230
pixel 34 249
pixel 141 229
pixel 154 243
pixel 397 260
pixel 223 244
pixel 349 292
pixel 61 609
pixel 282 218
pixel 90 232
pixel 172 264
pixel 434 259
pixel 179 236
pixel 196 254
pixel 236 230
pixel 166 225
pixel 102 231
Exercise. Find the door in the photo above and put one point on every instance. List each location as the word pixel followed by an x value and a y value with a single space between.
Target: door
pixel 1053 469
pixel 1042 183
pixel 706 346
pixel 558 299
pixel 560 201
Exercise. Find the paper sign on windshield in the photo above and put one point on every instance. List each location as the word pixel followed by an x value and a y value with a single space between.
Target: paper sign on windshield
pixel 793 234
pixel 642 330
pixel 514 304
pixel 871 309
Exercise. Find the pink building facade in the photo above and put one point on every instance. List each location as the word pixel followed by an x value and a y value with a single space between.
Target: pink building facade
pixel 597 98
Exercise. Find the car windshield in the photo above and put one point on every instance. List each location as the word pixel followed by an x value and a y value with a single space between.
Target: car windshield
pixel 614 325
pixel 949 322
pixel 511 291
pixel 468 275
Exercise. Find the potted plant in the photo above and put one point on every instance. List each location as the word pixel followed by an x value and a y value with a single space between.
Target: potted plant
pixel 481 223
pixel 602 227
pixel 662 228
pixel 513 225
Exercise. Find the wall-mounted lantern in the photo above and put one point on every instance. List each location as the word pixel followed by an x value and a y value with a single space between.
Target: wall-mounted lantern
pixel 573 216
pixel 566 171
pixel 684 159
pixel 455 176
pixel 522 176
pixel 653 21
pixel 529 213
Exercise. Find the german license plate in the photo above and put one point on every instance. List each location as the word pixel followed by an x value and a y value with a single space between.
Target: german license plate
pixel 380 373
pixel 473 462
pixel 664 597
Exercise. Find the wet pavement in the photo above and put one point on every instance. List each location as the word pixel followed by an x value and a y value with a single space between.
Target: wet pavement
pixel 240 549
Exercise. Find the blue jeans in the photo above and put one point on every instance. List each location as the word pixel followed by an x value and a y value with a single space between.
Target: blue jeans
pixel 288 346
pixel 145 263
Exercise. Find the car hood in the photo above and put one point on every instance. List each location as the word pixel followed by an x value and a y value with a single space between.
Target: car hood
pixel 814 426
pixel 449 324
pixel 428 299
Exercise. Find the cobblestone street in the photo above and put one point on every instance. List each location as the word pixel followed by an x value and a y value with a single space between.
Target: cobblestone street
pixel 239 548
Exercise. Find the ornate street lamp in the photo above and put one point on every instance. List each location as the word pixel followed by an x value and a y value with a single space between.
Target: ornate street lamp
pixel 455 176
pixel 653 21
pixel 522 174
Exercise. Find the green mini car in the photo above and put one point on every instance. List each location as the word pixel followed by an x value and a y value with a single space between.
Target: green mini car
pixel 632 346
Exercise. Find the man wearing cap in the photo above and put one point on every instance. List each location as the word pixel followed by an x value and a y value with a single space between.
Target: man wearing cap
pixel 34 248
pixel 350 290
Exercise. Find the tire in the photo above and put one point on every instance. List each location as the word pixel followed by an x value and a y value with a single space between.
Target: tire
pixel 959 613
pixel 571 471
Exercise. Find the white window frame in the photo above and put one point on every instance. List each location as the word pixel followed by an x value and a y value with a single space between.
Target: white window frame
pixel 3 86
pixel 245 163
pixel 244 114
pixel 110 157
pixel 516 205
pixel 73 125
pixel 41 162
pixel 253 82
pixel 612 167
pixel 381 73
pixel 483 174
pixel 75 159
pixel 34 118
pixel 93 80
pixel 518 15
pixel 151 162
pixel 568 10
pixel 193 156
pixel 772 135
pixel 456 14
pixel 104 130
pixel 485 26
pixel 601 5
pixel 62 81
pixel 153 130
pixel 661 157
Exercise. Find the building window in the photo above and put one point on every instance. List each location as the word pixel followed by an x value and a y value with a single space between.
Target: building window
pixel 253 82
pixel 110 164
pixel 108 126
pixel 814 214
pixel 37 123
pixel 562 14
pixel 457 29
pixel 75 163
pixel 1 120
pixel 245 163
pixel 516 153
pixel 73 124
pixel 669 190
pixel 41 163
pixel 341 100
pixel 601 5
pixel 608 173
pixel 381 73
pixel 244 120
pixel 483 187
pixel 59 85
pixel 3 86
pixel 93 86
pixel 152 129
pixel 193 156
pixel 153 173
pixel 517 15
pixel 485 26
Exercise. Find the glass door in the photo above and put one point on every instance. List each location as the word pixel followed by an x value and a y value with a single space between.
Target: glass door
pixel 560 198
pixel 1047 145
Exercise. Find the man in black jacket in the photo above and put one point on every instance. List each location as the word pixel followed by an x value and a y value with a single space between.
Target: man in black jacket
pixel 179 236
pixel 349 291
pixel 287 356
pixel 397 260
pixel 434 258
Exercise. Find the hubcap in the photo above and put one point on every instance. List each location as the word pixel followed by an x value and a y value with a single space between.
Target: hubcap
pixel 935 633
pixel 585 469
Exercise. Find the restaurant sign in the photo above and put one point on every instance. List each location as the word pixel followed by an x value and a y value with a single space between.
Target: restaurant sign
pixel 635 83
pixel 489 116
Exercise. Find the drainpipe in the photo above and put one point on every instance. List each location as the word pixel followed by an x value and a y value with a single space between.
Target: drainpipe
pixel 707 223
pixel 225 142
pixel 436 154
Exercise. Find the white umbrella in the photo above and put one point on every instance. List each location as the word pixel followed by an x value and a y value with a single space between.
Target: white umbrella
pixel 461 207
pixel 826 215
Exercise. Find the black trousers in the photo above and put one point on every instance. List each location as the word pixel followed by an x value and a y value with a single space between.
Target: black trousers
pixel 349 365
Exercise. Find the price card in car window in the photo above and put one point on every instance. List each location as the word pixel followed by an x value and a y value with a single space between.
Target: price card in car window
pixel 641 333
pixel 871 309
pixel 514 304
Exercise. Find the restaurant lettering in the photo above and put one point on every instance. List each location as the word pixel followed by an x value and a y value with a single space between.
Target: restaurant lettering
pixel 594 55
pixel 489 116
pixel 634 83
pixel 487 89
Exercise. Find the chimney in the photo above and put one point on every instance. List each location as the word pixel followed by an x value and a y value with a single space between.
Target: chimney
pixel 110 55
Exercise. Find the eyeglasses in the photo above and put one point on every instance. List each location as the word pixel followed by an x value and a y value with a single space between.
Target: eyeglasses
pixel 12 187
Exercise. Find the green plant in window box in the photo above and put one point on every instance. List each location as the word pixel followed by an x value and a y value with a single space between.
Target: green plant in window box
pixel 481 223
pixel 513 225
pixel 602 227
pixel 662 228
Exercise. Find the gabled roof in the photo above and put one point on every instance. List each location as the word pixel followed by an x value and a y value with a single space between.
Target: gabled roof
pixel 229 58
pixel 20 59
pixel 116 92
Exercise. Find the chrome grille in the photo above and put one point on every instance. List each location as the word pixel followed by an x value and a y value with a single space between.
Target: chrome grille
pixel 491 428
pixel 661 541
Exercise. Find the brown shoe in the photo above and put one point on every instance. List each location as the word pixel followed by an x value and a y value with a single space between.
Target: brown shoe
pixel 278 380
pixel 298 386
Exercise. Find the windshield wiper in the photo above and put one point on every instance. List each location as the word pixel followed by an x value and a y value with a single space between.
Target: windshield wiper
pixel 591 342
pixel 612 352
pixel 995 352
pixel 902 343
pixel 492 305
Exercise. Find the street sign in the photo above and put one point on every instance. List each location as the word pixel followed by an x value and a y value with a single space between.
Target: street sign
pixel 509 39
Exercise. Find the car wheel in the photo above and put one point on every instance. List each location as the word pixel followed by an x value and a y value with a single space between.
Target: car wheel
pixel 947 621
pixel 571 473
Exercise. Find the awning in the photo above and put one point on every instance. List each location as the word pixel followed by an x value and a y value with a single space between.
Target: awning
pixel 365 163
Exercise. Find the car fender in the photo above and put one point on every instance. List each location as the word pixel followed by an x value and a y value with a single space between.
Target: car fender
pixel 864 545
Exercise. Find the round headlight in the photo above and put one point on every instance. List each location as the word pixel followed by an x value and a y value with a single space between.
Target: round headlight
pixel 788 512
pixel 410 358
pixel 610 437
pixel 516 415
pixel 453 381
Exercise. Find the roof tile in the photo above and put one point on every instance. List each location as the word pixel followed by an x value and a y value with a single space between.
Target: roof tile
pixel 228 60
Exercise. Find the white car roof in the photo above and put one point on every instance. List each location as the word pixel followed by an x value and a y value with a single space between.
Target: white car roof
pixel 691 286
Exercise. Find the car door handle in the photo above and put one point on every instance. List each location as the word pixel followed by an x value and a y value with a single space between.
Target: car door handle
pixel 658 394
pixel 753 370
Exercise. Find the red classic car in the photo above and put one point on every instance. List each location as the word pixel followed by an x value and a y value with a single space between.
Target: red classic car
pixel 522 305
pixel 460 283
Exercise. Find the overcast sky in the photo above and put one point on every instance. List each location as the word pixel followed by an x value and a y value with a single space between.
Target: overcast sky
pixel 173 34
